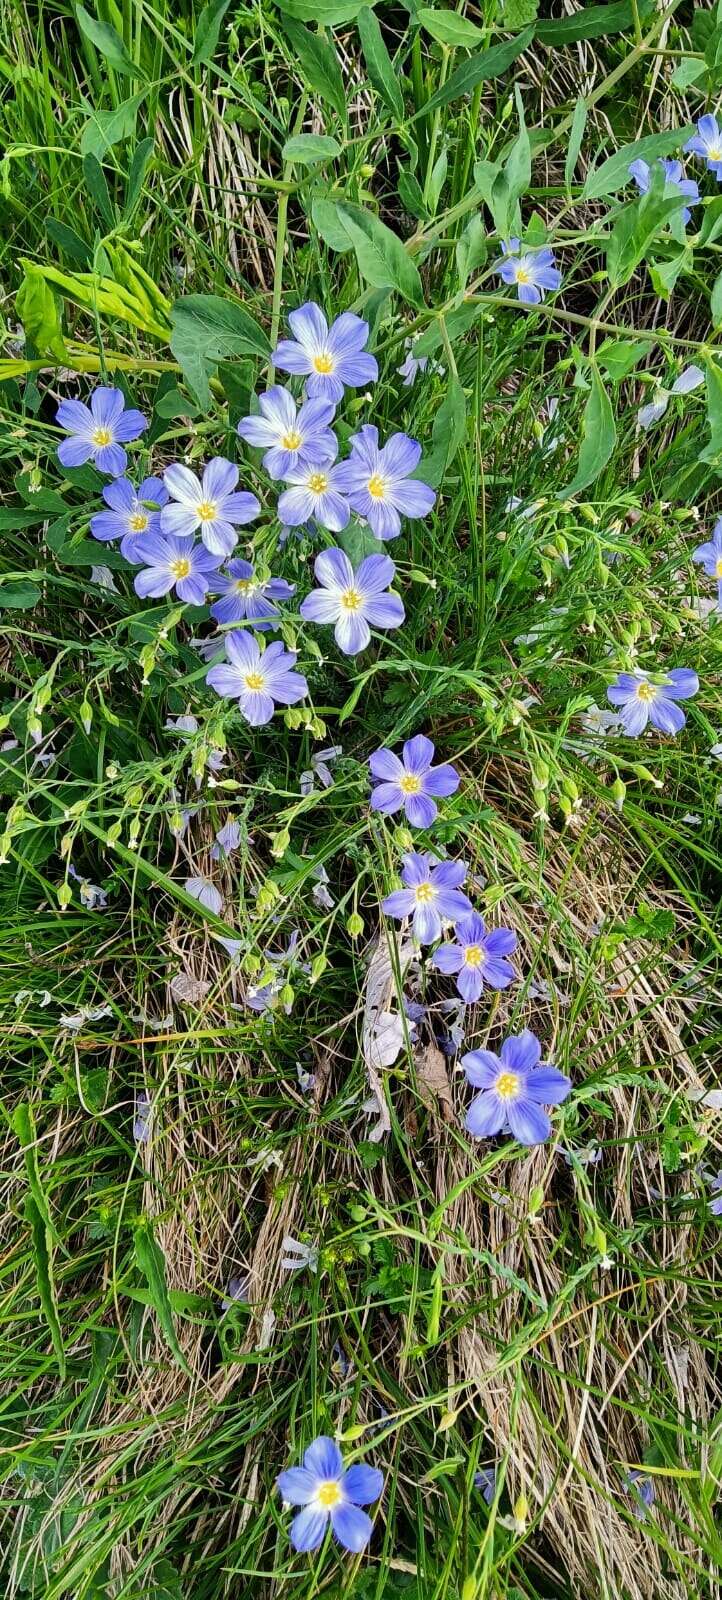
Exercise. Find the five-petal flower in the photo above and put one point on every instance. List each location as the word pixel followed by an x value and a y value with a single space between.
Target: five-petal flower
pixel 132 513
pixel 291 436
pixel 257 678
pixel 330 1492
pixel 432 891
pixel 210 504
pixel 245 595
pixel 515 1086
pixel 533 271
pixel 330 358
pixel 353 600
pixel 174 561
pixel 477 957
pixel 378 484
pixel 707 143
pixel 411 781
pixel 644 697
pixel 98 431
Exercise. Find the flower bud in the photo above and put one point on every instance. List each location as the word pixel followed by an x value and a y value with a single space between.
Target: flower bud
pixel 86 715
pixel 65 895
pixel 618 792
pixel 355 925
pixel 318 967
pixel 279 843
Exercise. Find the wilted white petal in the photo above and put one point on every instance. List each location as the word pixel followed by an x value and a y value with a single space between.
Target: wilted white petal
pixel 388 1038
pixel 652 413
pixel 267 1326
pixel 306 1080
pixel 298 1255
pixel 184 724
pixel 690 379
pixel 187 990
pixel 306 784
pixel 104 578
pixel 141 1122
pixel 206 893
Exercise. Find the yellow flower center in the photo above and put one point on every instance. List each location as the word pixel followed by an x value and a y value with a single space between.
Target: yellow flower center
pixel 350 599
pixel 718 568
pixel 180 569
pixel 101 437
pixel 522 275
pixel 254 681
pixel 245 585
pixel 714 152
pixel 138 522
pixel 507 1085
pixel 318 483
pixel 291 441
pixel 328 1494
pixel 473 955
pixel 424 893
pixel 377 488
pixel 646 691
pixel 207 510
pixel 323 364
pixel 410 784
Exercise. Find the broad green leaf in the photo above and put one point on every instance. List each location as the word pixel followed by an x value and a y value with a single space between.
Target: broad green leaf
pixel 69 242
pixel 382 260
pixel 448 28
pixel 106 128
pixel 712 221
pixel 206 330
pixel 411 195
pixel 39 312
pixel 599 436
pixel 636 226
pixel 687 72
pixel 471 250
pixel 309 148
pixel 448 434
pixel 613 173
pixel 328 223
pixel 207 32
pixel 18 596
pixel 664 274
pixel 378 62
pixel 478 69
pixel 515 14
pixel 43 1260
pixel 151 1261
pixel 619 357
pixel 108 41
pixel 319 65
pixel 327 13
pixel 579 122
pixel 592 22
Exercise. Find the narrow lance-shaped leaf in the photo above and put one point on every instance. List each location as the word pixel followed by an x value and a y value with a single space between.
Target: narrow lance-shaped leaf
pixel 599 437
pixel 613 173
pixel 478 69
pixel 108 41
pixel 151 1261
pixel 207 31
pixel 318 64
pixel 378 63
pixel 43 1259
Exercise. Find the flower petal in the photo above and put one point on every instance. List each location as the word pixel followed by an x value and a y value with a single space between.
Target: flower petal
pixel 323 1456
pixel 547 1086
pixel 482 1068
pixel 352 633
pixel 362 1484
pixel 421 810
pixel 308 1528
pixel 486 1115
pixel 528 1123
pixel 297 1485
pixel 384 764
pixel 352 1526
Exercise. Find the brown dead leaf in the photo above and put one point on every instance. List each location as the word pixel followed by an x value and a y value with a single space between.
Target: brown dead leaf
pixel 433 1082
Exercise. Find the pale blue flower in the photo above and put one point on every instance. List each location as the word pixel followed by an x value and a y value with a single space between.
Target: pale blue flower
pixel 257 679
pixel 132 513
pixel 330 358
pixel 533 271
pixel 644 697
pixel 432 891
pixel 328 1491
pixel 710 557
pixel 291 436
pixel 674 177
pixel 515 1086
pixel 99 431
pixel 353 600
pixel 378 484
pixel 243 595
pixel 210 505
pixel 173 562
pixel 707 143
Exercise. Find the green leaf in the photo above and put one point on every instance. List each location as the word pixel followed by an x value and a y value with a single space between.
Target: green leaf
pixel 43 1258
pixel 319 65
pixel 138 169
pixel 98 189
pixel 207 32
pixel 106 128
pixel 411 195
pixel 39 312
pixel 478 69
pixel 664 274
pixel 715 303
pixel 515 14
pixel 108 41
pixel 619 357
pixel 579 122
pixel 471 250
pixel 448 434
pixel 69 242
pixel 382 260
pixel 592 22
pixel 636 226
pixel 23 1123
pixel 309 148
pixel 713 451
pixel 151 1261
pixel 448 28
pixel 613 173
pixel 687 72
pixel 327 13
pixel 328 223
pixel 599 437
pixel 378 63
pixel 18 596
pixel 206 330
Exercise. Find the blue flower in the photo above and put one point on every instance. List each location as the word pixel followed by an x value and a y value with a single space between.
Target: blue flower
pixel 315 493
pixel 412 365
pixel 328 1491
pixel 715 1188
pixel 352 600
pixel 689 379
pixel 485 1482
pixel 514 1085
pixel 710 556
pixel 171 561
pixel 533 271
pixel 643 697
pixel 244 595
pixel 432 891
pixel 674 177
pixel 641 1487
pixel 291 437
pixel 99 431
pixel 131 513
pixel 411 782
pixel 707 143
pixel 477 957
pixel 257 678
pixel 211 505
pixel 330 358
pixel 378 484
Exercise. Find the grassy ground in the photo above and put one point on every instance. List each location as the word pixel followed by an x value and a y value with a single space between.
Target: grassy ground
pixel 551 1314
